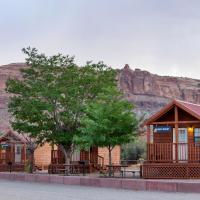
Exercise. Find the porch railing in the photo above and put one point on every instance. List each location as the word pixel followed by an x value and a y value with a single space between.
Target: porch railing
pixel 100 161
pixel 172 152
pixel 57 157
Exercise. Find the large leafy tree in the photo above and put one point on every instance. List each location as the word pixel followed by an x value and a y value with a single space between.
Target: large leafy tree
pixel 50 99
pixel 109 121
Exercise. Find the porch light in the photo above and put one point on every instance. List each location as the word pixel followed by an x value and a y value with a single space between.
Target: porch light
pixel 190 129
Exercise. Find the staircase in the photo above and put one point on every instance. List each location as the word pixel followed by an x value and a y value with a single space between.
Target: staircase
pixel 99 164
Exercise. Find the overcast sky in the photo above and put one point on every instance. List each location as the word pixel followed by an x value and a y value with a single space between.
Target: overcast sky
pixel 161 36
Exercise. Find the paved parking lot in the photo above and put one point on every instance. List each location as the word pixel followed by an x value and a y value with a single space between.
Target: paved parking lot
pixel 12 190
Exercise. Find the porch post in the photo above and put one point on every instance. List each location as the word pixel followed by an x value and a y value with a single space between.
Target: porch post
pixel 148 134
pixel 25 154
pixel 12 155
pixel 176 132
pixel 148 141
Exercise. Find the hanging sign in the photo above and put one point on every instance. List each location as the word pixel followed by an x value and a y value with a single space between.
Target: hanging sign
pixel 162 129
pixel 4 145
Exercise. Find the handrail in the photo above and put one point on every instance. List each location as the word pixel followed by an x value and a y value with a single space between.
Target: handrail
pixel 57 158
pixel 173 152
pixel 101 160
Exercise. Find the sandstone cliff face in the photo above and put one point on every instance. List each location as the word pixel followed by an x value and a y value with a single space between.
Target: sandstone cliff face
pixel 6 71
pixel 148 92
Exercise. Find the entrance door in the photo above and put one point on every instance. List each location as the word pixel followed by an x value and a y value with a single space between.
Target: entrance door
pixel 18 153
pixel 182 144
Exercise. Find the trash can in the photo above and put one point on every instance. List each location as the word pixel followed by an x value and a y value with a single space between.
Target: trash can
pixel 83 164
pixel 10 166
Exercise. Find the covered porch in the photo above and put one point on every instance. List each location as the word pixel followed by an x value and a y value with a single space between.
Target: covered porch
pixel 12 152
pixel 173 142
pixel 87 161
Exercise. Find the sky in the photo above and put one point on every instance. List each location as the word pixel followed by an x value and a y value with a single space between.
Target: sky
pixel 160 36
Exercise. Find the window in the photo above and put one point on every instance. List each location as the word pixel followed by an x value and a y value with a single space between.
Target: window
pixel 18 150
pixel 197 135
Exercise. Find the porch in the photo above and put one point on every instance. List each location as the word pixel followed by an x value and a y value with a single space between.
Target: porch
pixel 173 142
pixel 13 153
pixel 171 160
pixel 81 162
pixel 173 153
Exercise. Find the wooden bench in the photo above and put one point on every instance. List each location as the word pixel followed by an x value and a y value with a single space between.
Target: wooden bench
pixel 133 171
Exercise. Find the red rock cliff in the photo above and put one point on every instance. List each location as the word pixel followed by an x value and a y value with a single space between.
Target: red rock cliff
pixel 6 71
pixel 149 92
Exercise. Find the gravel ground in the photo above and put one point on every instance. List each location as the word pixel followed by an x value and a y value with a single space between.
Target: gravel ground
pixel 35 191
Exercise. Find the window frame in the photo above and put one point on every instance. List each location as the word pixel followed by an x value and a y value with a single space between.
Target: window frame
pixel 197 137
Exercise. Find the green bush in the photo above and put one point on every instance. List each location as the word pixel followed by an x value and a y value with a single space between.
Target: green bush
pixel 134 151
pixel 27 166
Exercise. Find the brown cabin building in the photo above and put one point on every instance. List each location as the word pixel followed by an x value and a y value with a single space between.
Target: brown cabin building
pixel 13 149
pixel 173 142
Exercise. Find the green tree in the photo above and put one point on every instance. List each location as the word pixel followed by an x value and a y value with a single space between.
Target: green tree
pixel 49 101
pixel 108 122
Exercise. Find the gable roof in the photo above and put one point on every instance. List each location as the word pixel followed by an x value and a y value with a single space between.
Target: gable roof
pixel 14 134
pixel 191 108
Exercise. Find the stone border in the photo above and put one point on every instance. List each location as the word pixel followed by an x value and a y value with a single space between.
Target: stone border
pixel 117 183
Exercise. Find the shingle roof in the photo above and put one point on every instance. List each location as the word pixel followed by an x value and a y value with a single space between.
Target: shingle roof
pixel 191 108
pixel 15 134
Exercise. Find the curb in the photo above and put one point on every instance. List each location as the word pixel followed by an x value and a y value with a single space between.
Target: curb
pixel 186 186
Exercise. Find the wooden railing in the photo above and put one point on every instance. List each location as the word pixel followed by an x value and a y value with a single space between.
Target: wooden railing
pixel 100 161
pixel 172 152
pixel 57 157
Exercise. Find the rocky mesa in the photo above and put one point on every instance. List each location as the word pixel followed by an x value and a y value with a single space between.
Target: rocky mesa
pixel 7 71
pixel 148 92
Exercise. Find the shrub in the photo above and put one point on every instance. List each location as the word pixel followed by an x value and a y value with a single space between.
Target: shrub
pixel 134 151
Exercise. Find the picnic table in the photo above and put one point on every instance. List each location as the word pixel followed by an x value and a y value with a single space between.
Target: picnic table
pixel 133 171
pixel 115 168
pixel 71 169
pixel 75 168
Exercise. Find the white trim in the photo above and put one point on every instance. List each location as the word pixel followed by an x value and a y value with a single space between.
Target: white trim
pixel 182 148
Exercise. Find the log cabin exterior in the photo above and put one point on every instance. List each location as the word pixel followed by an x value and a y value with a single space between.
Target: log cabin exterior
pixel 173 142
pixel 12 152
pixel 14 149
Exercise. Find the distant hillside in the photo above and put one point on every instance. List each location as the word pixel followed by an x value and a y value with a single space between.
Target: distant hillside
pixel 149 92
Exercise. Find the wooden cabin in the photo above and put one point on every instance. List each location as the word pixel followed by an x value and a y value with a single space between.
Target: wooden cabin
pixel 13 149
pixel 12 152
pixel 173 142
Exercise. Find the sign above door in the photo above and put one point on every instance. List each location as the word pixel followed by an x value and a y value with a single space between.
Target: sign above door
pixel 162 129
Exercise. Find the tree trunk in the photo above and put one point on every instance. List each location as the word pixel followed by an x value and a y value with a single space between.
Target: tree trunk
pixel 31 148
pixel 67 153
pixel 31 161
pixel 110 172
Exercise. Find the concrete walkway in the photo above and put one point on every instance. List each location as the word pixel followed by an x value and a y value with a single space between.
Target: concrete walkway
pixel 15 190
